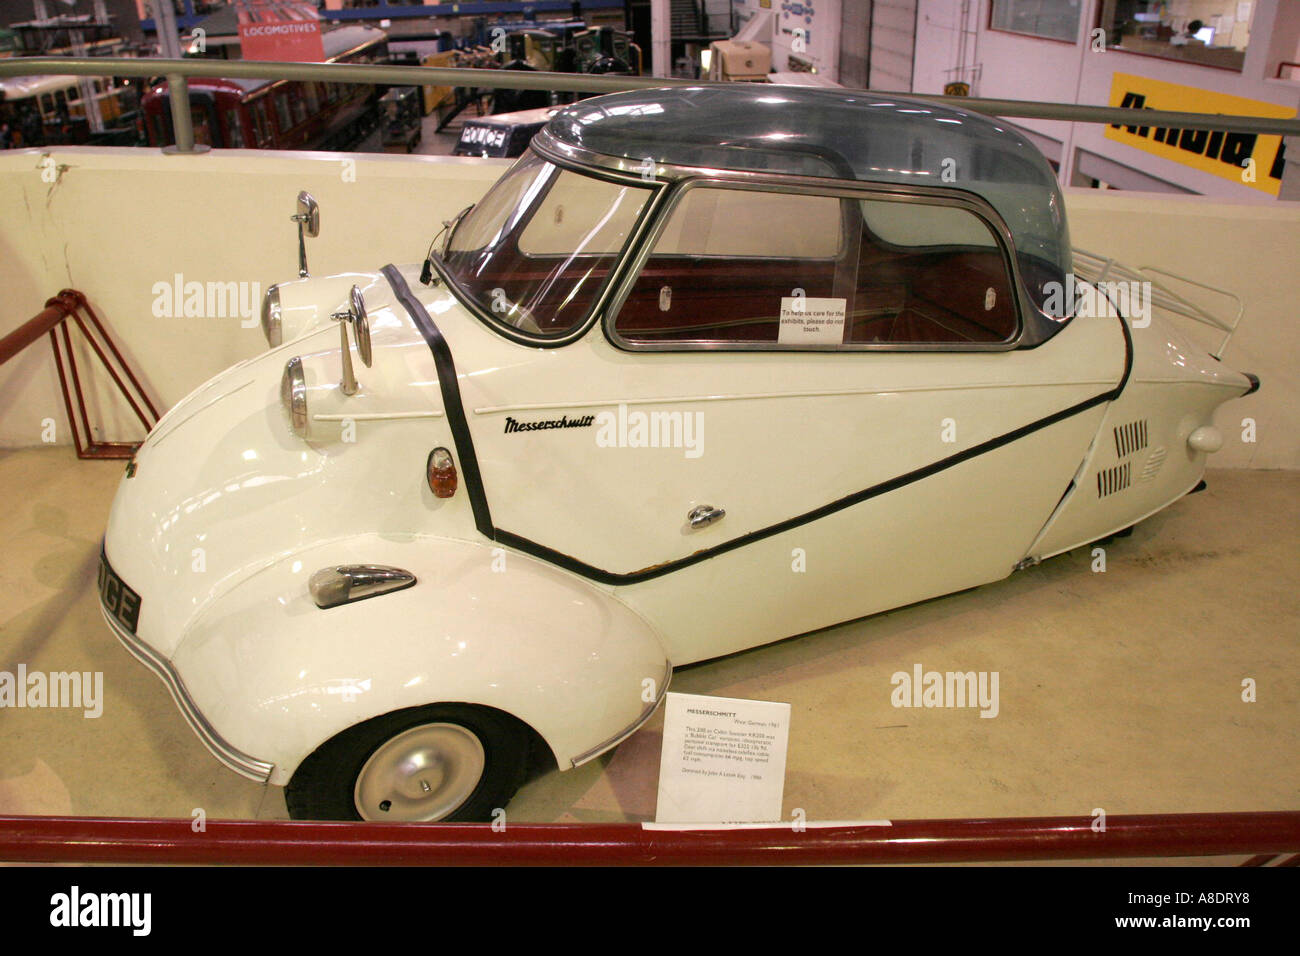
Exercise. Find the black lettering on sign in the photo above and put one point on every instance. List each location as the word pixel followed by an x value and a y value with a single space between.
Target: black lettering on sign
pixel 1131 101
pixel 1230 148
pixel 1275 171
pixel 1194 140
pixel 1216 144
pixel 1237 147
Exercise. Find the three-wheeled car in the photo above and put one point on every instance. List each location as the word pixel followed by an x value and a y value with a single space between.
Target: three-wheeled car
pixel 707 367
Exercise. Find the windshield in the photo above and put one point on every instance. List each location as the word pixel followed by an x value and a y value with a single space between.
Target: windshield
pixel 536 252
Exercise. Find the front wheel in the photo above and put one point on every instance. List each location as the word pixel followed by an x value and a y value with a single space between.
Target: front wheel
pixel 448 762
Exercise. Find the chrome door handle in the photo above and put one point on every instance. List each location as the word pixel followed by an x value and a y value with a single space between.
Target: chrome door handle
pixel 704 515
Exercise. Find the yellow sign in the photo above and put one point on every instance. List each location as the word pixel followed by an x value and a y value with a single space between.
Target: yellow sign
pixel 1222 153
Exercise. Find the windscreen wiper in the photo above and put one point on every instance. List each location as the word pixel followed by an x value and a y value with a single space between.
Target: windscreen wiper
pixel 448 230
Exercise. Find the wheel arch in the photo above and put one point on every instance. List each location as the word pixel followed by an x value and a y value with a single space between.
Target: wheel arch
pixel 277 677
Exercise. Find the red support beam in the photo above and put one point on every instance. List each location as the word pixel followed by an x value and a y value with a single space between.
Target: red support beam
pixel 120 840
pixel 55 311
pixel 52 320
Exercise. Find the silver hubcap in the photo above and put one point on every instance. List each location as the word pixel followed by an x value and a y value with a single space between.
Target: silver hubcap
pixel 424 773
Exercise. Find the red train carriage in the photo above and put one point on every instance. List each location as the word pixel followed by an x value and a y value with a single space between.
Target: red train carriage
pixel 280 114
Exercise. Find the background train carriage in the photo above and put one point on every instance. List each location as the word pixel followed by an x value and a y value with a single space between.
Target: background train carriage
pixel 281 114
pixel 51 111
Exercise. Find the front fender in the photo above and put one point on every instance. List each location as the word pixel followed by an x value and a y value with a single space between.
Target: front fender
pixel 307 303
pixel 276 676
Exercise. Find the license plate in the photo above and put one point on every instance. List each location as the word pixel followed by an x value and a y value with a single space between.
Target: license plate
pixel 118 599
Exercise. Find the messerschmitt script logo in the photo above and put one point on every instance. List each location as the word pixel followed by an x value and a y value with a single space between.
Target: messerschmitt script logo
pixel 564 422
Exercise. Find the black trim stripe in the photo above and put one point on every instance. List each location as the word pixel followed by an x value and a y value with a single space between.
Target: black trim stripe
pixel 789 524
pixel 482 518
pixel 451 402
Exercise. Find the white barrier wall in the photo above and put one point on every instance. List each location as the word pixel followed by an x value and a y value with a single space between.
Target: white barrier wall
pixel 114 223
pixel 117 223
pixel 1247 247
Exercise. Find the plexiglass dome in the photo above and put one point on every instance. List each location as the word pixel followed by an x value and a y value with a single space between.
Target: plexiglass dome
pixel 843 134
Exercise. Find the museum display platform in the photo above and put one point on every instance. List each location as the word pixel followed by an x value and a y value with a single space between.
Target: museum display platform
pixel 1120 690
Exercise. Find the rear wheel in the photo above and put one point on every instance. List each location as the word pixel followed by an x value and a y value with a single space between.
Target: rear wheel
pixel 448 762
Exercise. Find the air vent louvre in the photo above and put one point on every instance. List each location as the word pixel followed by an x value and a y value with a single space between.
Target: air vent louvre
pixel 1152 467
pixel 1114 479
pixel 1130 438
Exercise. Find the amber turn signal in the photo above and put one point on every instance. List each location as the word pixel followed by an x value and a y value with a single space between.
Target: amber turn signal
pixel 442 473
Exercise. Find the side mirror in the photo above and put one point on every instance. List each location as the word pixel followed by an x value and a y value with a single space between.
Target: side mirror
pixel 308 220
pixel 355 316
pixel 360 325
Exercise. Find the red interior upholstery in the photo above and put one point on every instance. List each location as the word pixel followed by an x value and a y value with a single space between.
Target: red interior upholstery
pixel 900 298
pixel 729 300
pixel 903 296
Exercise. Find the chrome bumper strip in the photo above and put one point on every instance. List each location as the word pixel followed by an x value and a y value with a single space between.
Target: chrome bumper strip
pixel 241 763
pixel 632 728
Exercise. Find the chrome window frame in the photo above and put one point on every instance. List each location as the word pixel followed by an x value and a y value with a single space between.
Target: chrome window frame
pixel 647 216
pixel 818 186
pixel 669 182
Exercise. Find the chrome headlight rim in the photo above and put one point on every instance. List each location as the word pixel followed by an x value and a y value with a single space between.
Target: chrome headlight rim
pixel 293 394
pixel 271 325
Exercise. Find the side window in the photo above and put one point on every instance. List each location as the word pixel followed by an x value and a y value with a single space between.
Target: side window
pixel 202 122
pixel 261 124
pixel 744 267
pixel 929 274
pixel 157 131
pixel 299 106
pixel 725 262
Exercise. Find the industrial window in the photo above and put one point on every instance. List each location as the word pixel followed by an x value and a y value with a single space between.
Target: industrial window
pixel 1207 32
pixel 1051 19
pixel 743 268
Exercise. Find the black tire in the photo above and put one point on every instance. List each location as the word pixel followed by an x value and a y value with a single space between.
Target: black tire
pixel 322 788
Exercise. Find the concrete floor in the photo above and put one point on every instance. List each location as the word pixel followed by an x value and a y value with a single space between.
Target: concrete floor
pixel 1119 690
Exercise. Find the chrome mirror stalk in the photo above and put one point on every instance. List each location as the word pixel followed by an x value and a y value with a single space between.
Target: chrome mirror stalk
pixel 308 219
pixel 354 315
pixel 349 383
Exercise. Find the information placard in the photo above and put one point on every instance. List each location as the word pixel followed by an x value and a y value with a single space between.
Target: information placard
pixel 723 760
pixel 807 321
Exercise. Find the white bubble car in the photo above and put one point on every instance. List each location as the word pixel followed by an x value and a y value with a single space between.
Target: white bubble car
pixel 706 368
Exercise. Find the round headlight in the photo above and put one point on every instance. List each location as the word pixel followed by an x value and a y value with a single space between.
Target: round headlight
pixel 271 316
pixel 293 394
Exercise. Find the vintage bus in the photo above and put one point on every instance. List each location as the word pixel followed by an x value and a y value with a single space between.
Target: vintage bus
pixel 280 114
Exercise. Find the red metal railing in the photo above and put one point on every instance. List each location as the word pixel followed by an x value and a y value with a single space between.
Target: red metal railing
pixel 52 321
pixel 1265 836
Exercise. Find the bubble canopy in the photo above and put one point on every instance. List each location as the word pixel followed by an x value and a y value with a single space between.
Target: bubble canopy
pixel 839 134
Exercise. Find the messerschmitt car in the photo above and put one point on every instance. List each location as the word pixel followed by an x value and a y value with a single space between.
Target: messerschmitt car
pixel 706 368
